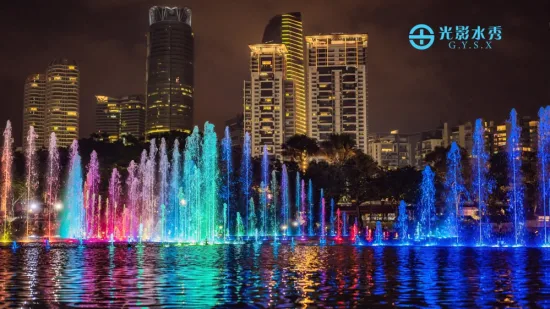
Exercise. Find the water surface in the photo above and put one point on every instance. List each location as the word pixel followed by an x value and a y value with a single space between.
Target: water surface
pixel 283 276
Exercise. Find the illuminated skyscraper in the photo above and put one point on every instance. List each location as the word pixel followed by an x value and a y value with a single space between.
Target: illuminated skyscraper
pixel 170 70
pixel 34 105
pixel 268 99
pixel 337 86
pixel 120 117
pixel 287 29
pixel 62 101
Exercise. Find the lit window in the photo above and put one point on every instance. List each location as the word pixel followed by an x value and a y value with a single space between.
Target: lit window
pixel 57 78
pixel 72 67
pixel 71 113
pixel 71 129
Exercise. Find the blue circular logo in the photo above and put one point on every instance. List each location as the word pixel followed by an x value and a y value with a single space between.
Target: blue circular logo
pixel 421 37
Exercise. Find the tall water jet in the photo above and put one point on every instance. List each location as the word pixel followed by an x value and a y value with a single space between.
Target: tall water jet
pixel 176 201
pixel 345 223
pixel 111 213
pixel 52 181
pixel 246 176
pixel 92 195
pixel 31 180
pixel 323 215
pixel 192 187
pixel 543 157
pixel 332 218
pixel 263 209
pixel 303 210
pixel 338 225
pixel 427 204
pixel 285 202
pixel 252 224
pixel 164 186
pixel 310 204
pixel 7 162
pixel 515 193
pixel 149 208
pixel 455 191
pixel 144 193
pixel 72 223
pixel 378 235
pixel 274 204
pixel 480 184
pixel 240 227
pixel 402 225
pixel 227 180
pixel 209 171
pixel 132 201
pixel 297 200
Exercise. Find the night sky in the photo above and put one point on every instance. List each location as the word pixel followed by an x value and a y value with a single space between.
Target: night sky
pixel 409 90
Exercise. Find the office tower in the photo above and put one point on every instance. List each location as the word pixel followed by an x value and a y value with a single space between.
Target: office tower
pixel 107 120
pixel 62 101
pixel 117 118
pixel 268 99
pixel 132 118
pixel 337 86
pixel 34 105
pixel 287 29
pixel 169 70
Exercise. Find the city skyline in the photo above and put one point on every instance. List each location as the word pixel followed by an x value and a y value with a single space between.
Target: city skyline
pixel 419 89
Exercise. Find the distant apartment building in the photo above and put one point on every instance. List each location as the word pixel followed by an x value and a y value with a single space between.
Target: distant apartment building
pixel 34 107
pixel 269 100
pixel 121 117
pixel 62 101
pixel 391 151
pixel 428 141
pixel 337 86
pixel 236 129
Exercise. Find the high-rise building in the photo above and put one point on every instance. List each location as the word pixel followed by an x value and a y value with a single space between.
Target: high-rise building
pixel 337 86
pixel 120 117
pixel 107 115
pixel 169 70
pixel 132 116
pixel 287 29
pixel 62 101
pixel 34 105
pixel 268 99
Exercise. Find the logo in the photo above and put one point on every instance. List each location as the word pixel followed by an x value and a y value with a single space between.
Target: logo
pixel 422 36
pixel 419 39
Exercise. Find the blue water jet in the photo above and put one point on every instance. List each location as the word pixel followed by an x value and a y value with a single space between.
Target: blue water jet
pixel 426 205
pixel 481 187
pixel 455 193
pixel 515 179
pixel 246 178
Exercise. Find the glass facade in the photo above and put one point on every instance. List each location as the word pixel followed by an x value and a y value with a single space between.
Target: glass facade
pixel 170 70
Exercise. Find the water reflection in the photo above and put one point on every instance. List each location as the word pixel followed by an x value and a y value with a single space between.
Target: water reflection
pixel 267 275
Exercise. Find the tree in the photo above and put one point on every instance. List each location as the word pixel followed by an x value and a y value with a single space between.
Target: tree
pixel 339 148
pixel 299 147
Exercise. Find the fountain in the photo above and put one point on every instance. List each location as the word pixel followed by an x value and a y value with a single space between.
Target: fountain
pixel 455 191
pixel 31 181
pixel 176 198
pixel 303 212
pixel 402 225
pixel 251 218
pixel 378 234
pixel 297 201
pixel 163 187
pixel 52 181
pixel 285 202
pixel 227 181
pixel 332 219
pixel 426 205
pixel 481 188
pixel 114 200
pixel 72 224
pixel 5 194
pixel 246 176
pixel 310 204
pixel 322 233
pixel 274 204
pixel 543 165
pixel 515 194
